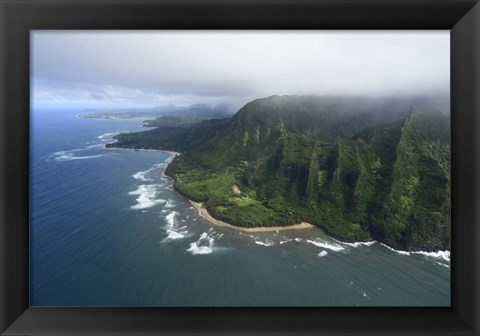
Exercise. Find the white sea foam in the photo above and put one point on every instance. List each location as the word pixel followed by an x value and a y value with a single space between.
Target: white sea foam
pixel 322 253
pixel 106 136
pixel 195 249
pixel 298 240
pixel 442 264
pixel 171 219
pixel 267 243
pixel 173 232
pixel 204 244
pixel 445 255
pixel 70 157
pixel 146 197
pixel 96 146
pixel 397 251
pixel 357 244
pixel 364 294
pixel 170 204
pixel 325 245
pixel 285 240
pixel 141 175
pixel 174 235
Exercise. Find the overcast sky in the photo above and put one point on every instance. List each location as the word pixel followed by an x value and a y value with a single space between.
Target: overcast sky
pixel 139 68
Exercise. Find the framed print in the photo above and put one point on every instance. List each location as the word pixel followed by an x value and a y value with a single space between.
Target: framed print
pixel 240 168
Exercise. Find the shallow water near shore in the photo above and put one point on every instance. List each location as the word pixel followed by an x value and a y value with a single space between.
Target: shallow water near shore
pixel 107 229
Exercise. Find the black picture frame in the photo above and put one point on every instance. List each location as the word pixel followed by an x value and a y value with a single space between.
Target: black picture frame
pixel 18 17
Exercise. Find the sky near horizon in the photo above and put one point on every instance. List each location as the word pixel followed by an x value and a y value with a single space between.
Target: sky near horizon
pixel 105 69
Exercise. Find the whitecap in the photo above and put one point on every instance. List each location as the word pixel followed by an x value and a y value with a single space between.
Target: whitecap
pixel 171 218
pixel 104 137
pixel 173 232
pixel 204 244
pixel 397 251
pixel 324 244
pixel 146 197
pixel 364 294
pixel 70 157
pixel 285 240
pixel 322 253
pixel 96 146
pixel 445 255
pixel 357 244
pixel 195 249
pixel 442 264
pixel 174 235
pixel 141 175
pixel 267 243
pixel 257 241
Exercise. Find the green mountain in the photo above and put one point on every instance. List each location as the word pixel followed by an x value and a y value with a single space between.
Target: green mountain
pixel 346 164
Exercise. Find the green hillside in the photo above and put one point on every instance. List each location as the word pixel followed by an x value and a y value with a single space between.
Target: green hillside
pixel 345 164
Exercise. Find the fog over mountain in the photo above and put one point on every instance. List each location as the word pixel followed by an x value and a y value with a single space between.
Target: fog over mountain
pixel 151 68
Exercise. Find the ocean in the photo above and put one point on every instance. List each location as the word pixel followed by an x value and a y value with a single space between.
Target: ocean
pixel 107 229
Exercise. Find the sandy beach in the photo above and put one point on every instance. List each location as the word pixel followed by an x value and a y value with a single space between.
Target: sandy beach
pixel 205 214
pixel 202 210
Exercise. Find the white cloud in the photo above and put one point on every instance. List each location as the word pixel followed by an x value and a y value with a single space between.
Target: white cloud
pixel 192 67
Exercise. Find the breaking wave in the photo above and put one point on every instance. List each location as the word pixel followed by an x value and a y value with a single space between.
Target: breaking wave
pixel 322 253
pixel 205 243
pixel 141 175
pixel 357 244
pixel 107 136
pixel 68 155
pixel 173 232
pixel 445 255
pixel 146 197
pixel 267 242
pixel 285 240
pixel 323 244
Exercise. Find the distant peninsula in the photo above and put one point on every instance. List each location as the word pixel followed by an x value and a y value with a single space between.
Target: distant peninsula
pixel 163 116
pixel 359 168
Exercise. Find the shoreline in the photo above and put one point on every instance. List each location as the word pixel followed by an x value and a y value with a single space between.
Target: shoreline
pixel 144 150
pixel 202 211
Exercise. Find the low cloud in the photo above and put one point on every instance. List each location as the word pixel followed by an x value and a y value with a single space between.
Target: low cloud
pixel 162 67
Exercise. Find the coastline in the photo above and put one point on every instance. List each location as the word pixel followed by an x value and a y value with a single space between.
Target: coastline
pixel 202 211
pixel 144 150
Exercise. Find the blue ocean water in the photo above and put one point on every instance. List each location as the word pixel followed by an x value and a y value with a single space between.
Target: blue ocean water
pixel 107 229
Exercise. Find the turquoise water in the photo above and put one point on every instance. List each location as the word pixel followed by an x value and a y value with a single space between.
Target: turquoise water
pixel 108 230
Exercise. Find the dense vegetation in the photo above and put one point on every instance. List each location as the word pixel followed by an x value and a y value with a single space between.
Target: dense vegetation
pixel 351 166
